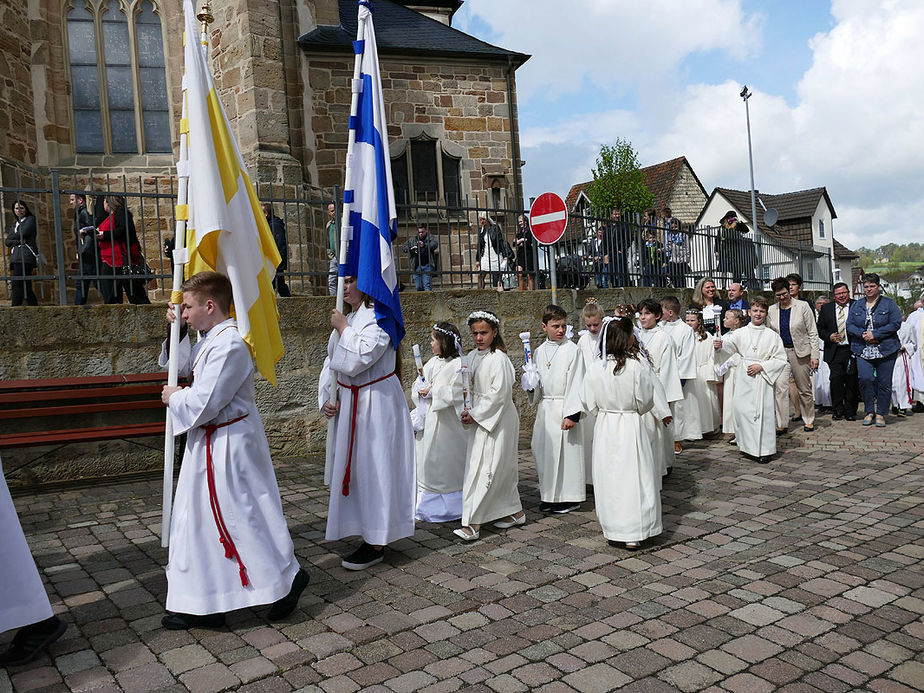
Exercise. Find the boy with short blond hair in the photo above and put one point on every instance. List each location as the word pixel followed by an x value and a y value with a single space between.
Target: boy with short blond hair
pixel 558 437
pixel 685 411
pixel 229 543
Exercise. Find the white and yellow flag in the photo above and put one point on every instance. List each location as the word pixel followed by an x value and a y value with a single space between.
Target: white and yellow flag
pixel 226 230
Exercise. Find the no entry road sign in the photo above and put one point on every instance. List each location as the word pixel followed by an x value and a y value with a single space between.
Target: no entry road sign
pixel 548 218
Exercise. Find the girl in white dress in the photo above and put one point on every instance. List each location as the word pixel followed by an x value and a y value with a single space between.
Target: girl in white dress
pixel 489 491
pixel 442 442
pixel 626 476
pixel 703 385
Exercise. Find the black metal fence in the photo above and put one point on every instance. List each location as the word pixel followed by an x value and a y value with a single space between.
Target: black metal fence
pixel 475 245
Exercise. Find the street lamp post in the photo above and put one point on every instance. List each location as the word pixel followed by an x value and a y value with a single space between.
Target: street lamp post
pixel 745 95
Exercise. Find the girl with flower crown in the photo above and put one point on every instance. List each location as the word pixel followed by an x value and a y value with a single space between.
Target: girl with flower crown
pixel 441 439
pixel 489 491
pixel 627 479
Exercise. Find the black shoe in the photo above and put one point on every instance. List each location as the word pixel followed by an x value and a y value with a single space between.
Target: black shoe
pixel 177 621
pixel 765 459
pixel 365 556
pixel 285 606
pixel 546 507
pixel 850 417
pixel 837 416
pixel 565 508
pixel 918 408
pixel 782 431
pixel 31 641
pixel 796 418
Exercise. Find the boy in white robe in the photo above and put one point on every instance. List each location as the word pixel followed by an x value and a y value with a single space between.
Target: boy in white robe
pixel 725 369
pixel 660 349
pixel 589 344
pixel 703 385
pixel 230 546
pixel 23 603
pixel 916 365
pixel 902 389
pixel 370 441
pixel 558 436
pixel 763 359
pixel 489 491
pixel 686 411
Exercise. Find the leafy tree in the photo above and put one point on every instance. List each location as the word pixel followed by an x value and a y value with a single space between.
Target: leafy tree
pixel 618 180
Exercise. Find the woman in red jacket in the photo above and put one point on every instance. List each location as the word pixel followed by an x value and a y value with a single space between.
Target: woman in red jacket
pixel 120 251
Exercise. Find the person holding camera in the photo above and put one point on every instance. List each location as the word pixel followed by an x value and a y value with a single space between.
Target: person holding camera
pixel 21 240
pixel 422 249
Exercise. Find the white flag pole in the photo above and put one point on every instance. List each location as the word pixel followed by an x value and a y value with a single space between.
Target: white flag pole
pixel 180 258
pixel 346 231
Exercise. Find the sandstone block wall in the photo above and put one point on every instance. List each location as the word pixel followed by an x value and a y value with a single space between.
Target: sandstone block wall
pixel 52 342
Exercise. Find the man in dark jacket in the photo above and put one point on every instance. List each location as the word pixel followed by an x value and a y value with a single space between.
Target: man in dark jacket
pixel 832 329
pixel 278 227
pixel 422 249
pixel 88 260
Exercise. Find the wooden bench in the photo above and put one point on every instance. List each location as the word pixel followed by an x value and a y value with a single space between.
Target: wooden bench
pixel 46 410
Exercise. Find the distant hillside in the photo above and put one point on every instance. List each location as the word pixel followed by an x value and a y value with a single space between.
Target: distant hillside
pixel 892 255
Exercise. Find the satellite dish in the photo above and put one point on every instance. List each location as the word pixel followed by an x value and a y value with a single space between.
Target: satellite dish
pixel 771 216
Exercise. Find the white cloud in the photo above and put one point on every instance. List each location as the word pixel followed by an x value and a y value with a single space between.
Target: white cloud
pixel 856 124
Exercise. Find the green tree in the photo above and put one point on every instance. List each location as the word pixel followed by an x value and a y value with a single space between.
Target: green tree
pixel 618 181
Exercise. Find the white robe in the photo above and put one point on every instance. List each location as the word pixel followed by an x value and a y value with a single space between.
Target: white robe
pixel 901 373
pixel 916 366
pixel 660 348
pixel 441 444
pixel 559 454
pixel 490 489
pixel 822 382
pixel 702 387
pixel 23 600
pixel 589 345
pixel 754 412
pixel 382 490
pixel 687 425
pixel 200 579
pixel 628 481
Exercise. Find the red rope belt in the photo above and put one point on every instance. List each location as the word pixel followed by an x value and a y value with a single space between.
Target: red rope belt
pixel 907 379
pixel 354 391
pixel 223 535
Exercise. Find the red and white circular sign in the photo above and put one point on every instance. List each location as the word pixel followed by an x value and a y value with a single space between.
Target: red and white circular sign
pixel 548 218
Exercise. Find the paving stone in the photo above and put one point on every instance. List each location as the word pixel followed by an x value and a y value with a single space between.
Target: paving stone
pixel 210 679
pixel 186 658
pixel 597 678
pixel 910 673
pixel 144 678
pixel 690 676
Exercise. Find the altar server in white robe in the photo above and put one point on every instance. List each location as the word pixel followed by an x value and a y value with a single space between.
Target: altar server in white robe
pixel 916 362
pixel 373 488
pixel 23 601
pixel 442 440
pixel 703 386
pixel 589 344
pixel 628 481
pixel 660 349
pixel 686 412
pixel 725 369
pixel 229 543
pixel 822 380
pixel 763 359
pixel 558 436
pixel 902 388
pixel 489 491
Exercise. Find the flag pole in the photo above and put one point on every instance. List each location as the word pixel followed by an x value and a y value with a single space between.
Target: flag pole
pixel 346 231
pixel 180 257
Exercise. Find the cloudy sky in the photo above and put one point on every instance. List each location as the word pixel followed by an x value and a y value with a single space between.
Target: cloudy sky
pixel 838 95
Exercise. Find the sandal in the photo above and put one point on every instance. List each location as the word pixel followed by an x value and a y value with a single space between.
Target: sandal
pixel 880 421
pixel 868 419
pixel 465 536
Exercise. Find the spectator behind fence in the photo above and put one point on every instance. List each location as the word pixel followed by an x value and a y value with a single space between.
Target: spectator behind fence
pixel 21 240
pixel 120 252
pixel 492 252
pixel 677 247
pixel 278 227
pixel 872 327
pixel 599 256
pixel 333 251
pixel 526 254
pixel 88 260
pixel 736 253
pixel 653 265
pixel 422 250
pixel 618 240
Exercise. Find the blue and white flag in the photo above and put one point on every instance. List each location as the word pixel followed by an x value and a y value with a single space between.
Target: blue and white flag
pixel 371 200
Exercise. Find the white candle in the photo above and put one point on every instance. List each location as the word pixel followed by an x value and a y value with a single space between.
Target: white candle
pixel 418 361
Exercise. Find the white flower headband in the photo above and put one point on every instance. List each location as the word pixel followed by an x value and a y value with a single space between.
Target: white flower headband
pixel 483 315
pixel 455 337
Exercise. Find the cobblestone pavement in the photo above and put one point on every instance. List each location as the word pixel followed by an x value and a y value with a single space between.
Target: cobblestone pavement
pixel 802 575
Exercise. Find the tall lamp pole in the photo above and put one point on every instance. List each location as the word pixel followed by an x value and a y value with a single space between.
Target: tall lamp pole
pixel 745 95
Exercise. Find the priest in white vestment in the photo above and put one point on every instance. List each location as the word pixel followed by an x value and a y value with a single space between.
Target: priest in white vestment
pixel 763 359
